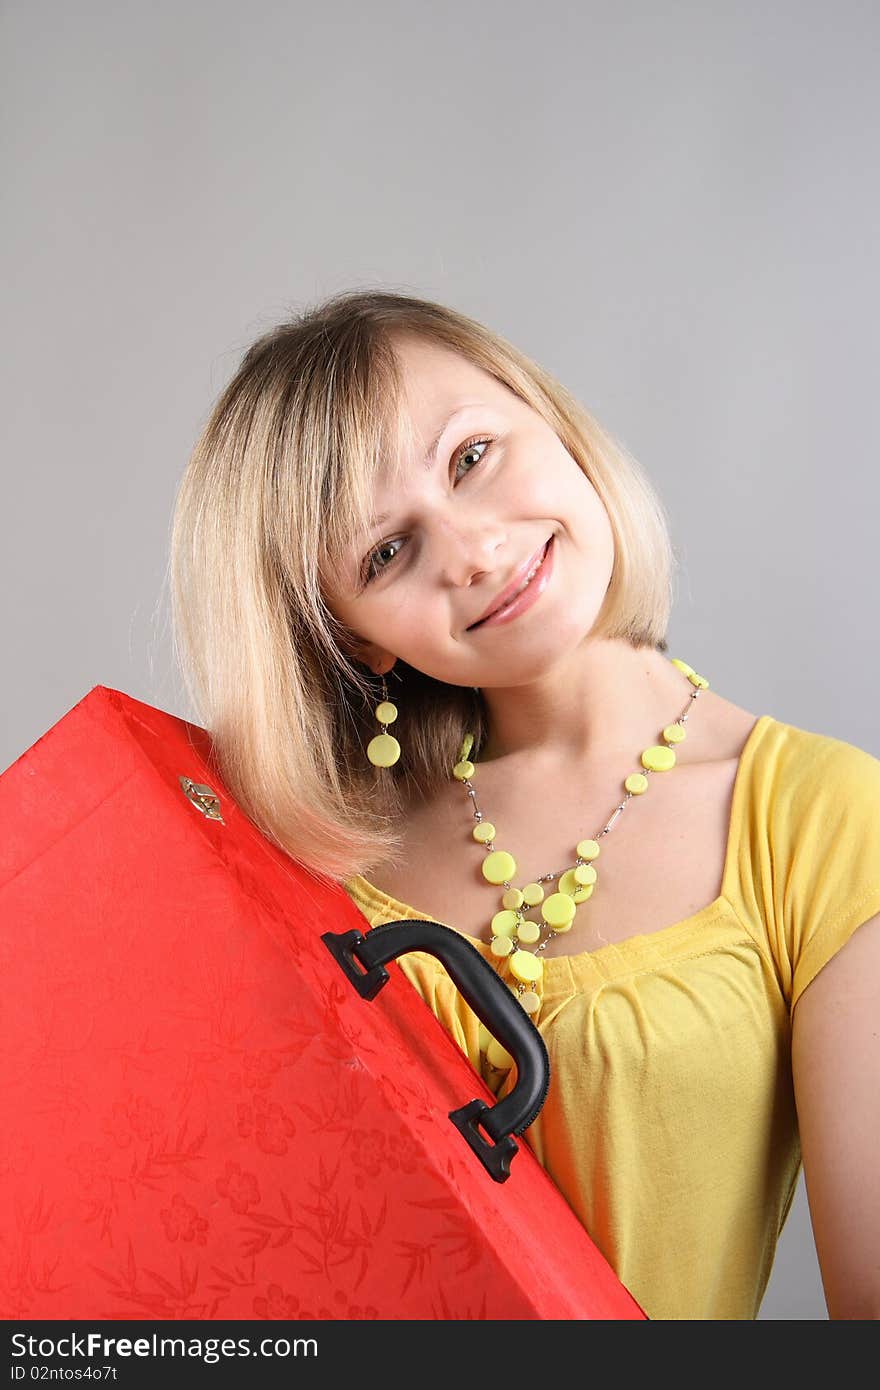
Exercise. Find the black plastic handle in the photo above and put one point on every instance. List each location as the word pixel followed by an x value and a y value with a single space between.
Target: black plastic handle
pixel 363 955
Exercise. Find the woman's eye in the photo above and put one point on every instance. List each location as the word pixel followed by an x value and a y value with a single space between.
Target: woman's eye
pixel 468 448
pixel 374 564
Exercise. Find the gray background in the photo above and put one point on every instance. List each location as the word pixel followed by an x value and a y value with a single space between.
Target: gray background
pixel 672 206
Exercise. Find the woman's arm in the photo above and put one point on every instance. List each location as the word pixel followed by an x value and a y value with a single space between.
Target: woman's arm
pixel 835 1052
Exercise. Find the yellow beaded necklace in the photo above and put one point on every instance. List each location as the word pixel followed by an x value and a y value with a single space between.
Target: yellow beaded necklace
pixel 511 928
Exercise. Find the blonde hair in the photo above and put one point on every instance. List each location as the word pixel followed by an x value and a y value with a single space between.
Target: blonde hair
pixel 277 483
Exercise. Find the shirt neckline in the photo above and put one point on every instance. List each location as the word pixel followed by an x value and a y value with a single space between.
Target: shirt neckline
pixel 634 946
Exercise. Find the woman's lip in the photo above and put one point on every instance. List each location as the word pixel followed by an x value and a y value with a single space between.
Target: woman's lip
pixel 527 596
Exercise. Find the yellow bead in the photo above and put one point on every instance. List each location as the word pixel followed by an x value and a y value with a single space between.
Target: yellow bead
pixel 588 849
pixel 499 867
pixel 386 713
pixel 569 884
pixel 558 910
pixel 484 832
pixel 530 1001
pixel 699 681
pixel 674 733
pixel 463 770
pixel 533 894
pixel 529 932
pixel 585 874
pixel 498 1055
pixel 682 666
pixel 466 746
pixel 636 783
pixel 501 945
pixel 658 758
pixel 383 750
pixel 484 1036
pixel 503 923
pixel 526 966
pixel 513 898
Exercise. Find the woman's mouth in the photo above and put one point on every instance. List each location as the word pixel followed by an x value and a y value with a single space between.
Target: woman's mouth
pixel 528 594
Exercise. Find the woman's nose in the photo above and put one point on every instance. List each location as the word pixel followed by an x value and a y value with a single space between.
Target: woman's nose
pixel 468 552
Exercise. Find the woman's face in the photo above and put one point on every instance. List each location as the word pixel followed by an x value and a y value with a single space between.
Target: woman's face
pixel 457 531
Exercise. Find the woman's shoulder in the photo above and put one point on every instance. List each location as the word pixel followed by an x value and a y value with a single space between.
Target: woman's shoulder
pixel 795 763
pixel 804 766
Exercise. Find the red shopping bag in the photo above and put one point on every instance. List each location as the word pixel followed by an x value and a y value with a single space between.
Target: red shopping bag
pixel 221 1098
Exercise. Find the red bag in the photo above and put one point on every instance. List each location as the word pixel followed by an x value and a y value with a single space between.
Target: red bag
pixel 204 1115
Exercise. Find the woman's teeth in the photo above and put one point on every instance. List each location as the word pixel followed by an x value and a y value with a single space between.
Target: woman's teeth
pixel 528 579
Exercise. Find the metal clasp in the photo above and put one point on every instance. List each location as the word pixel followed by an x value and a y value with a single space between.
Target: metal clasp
pixel 204 798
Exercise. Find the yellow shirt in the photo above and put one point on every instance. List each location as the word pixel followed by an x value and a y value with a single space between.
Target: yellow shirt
pixel 670 1124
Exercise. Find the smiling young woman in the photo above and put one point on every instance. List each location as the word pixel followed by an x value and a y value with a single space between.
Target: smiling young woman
pixel 389 494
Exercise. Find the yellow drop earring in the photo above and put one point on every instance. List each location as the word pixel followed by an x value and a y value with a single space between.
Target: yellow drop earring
pixel 384 750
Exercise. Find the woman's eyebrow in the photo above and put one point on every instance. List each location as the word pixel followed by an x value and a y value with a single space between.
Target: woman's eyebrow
pixel 431 452
pixel 430 455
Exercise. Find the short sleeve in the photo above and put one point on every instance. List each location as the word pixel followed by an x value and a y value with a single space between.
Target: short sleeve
pixel 823 810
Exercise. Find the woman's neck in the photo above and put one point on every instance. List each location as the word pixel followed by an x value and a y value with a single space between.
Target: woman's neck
pixel 600 701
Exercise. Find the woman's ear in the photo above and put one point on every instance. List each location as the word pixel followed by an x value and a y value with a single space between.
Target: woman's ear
pixel 369 654
pixel 377 659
